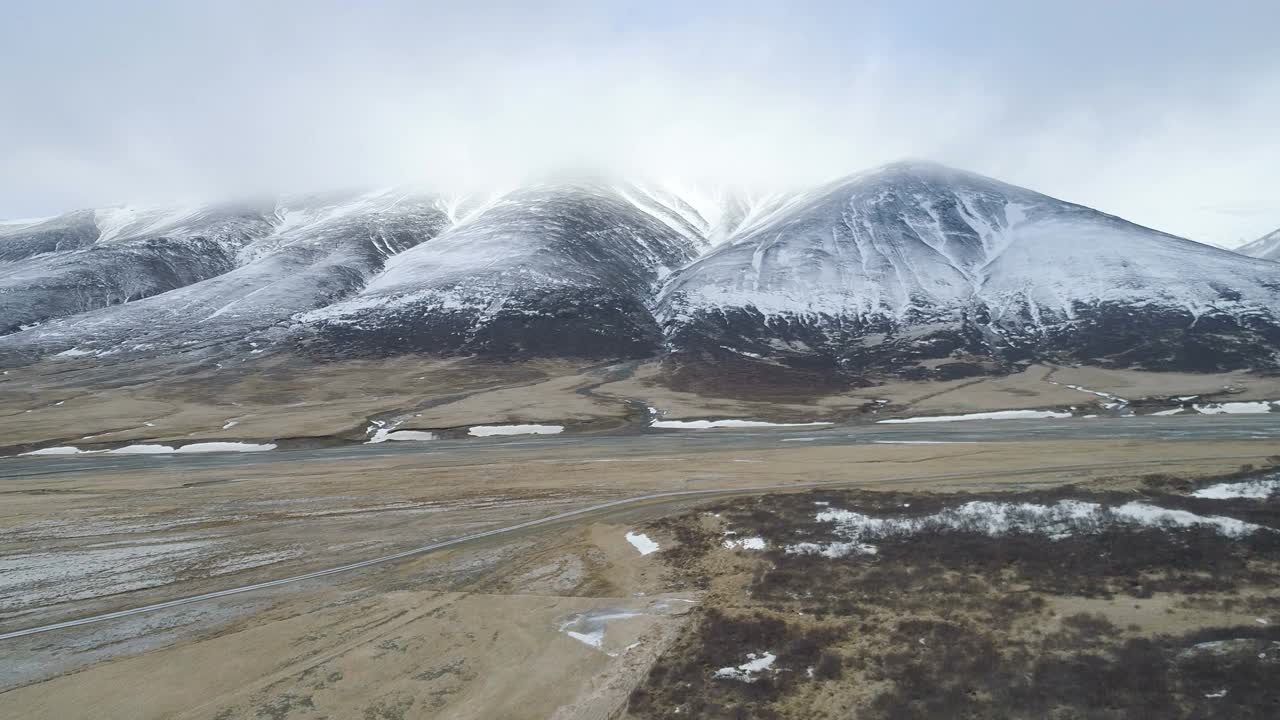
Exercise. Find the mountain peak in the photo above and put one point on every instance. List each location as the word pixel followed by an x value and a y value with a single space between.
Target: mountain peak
pixel 1266 247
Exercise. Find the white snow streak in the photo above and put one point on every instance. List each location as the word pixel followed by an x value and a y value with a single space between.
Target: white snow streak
pixel 1057 521
pixel 996 415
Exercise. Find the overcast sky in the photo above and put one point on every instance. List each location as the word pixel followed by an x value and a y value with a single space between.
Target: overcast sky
pixel 1166 113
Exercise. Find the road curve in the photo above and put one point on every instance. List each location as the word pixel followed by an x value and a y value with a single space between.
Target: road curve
pixel 746 490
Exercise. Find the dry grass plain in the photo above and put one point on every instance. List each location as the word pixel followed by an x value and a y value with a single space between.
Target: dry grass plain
pixel 476 631
pixel 561 620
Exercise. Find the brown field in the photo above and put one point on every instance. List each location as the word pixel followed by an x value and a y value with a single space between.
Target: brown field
pixel 483 629
pixel 67 402
pixel 479 630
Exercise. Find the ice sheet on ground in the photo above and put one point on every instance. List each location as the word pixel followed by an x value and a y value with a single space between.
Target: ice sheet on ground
pixel 923 442
pixel 154 449
pixel 1255 489
pixel 1237 408
pixel 142 450
pixel 226 447
pixel 725 423
pixel 748 671
pixel 61 450
pixel 382 436
pixel 642 543
pixel 487 430
pixel 996 415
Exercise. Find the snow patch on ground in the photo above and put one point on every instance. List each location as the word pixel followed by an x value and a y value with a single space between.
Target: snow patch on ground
pixel 748 671
pixel 642 543
pixel 1256 489
pixel 487 430
pixel 226 447
pixel 996 415
pixel 1057 521
pixel 751 543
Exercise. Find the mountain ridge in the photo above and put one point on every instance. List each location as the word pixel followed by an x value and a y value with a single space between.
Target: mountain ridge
pixel 892 269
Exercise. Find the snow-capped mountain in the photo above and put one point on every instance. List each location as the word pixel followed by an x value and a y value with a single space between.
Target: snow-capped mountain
pixel 1266 247
pixel 316 250
pixel 900 269
pixel 91 259
pixel 915 261
pixel 566 269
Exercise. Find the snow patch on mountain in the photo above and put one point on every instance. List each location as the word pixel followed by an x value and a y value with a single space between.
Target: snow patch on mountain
pixel 1266 247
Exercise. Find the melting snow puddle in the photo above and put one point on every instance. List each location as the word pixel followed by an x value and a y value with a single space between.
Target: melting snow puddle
pixel 727 423
pixel 996 415
pixel 1057 521
pixel 487 430
pixel 589 627
pixel 748 671
pixel 642 543
pixel 1256 489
